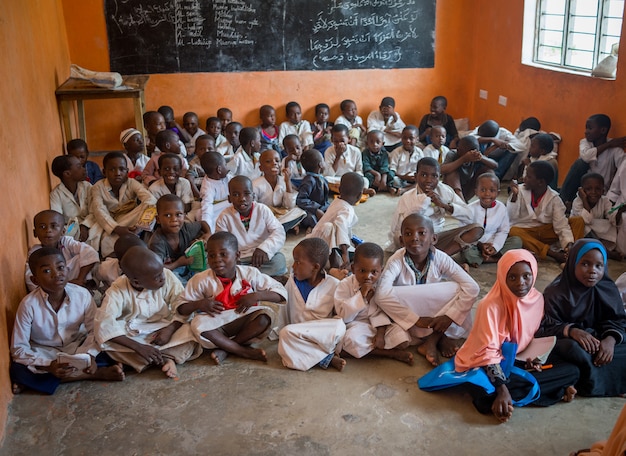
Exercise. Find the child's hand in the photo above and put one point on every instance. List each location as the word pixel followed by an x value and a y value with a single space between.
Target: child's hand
pixel 367 291
pixel 205 237
pixel 424 322
pixel 163 335
pixel 245 302
pixel 84 233
pixel 59 370
pixel 210 306
pixel 151 354
pixel 488 249
pixel 259 258
pixel 286 174
pixel 533 364
pixel 338 274
pixel 606 351
pixel 319 214
pixel 379 338
pixel 441 323
pixel 589 343
pixel 514 188
pixel 472 156
pixel 582 194
pixel 618 142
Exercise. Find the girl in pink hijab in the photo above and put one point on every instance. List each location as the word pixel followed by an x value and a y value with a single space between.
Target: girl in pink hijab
pixel 512 312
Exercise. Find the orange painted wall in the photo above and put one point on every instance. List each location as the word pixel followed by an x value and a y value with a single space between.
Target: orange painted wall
pixel 561 101
pixel 35 60
pixel 244 93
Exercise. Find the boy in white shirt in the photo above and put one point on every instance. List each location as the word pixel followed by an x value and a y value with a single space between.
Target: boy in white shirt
pixel 214 189
pixel 387 120
pixel 403 159
pixel 441 317
pixel 190 125
pixel 353 121
pixel 245 162
pixel 259 234
pixel 294 125
pixel 437 147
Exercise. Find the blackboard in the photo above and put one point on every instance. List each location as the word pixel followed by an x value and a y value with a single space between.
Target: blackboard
pixel 174 36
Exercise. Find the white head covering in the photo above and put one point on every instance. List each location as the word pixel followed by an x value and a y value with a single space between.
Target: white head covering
pixel 127 134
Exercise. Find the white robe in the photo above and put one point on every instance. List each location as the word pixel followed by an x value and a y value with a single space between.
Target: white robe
pixel 302 130
pixel 392 130
pixel 598 220
pixel 182 189
pixel 497 226
pixel 214 194
pixel 265 231
pixel 335 227
pixel 206 285
pixel 405 302
pixel 312 333
pixel 350 161
pixel 362 319
pixel 278 198
pixel 243 165
pixel 403 162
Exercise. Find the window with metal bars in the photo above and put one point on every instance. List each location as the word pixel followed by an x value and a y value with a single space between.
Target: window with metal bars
pixel 575 34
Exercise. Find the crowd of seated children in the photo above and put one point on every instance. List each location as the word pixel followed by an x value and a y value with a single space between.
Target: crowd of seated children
pixel 78 148
pixel 80 258
pixel 268 129
pixel 259 234
pixel 223 302
pixel 462 167
pixel 438 117
pixel 537 215
pixel 293 159
pixel 295 125
pixel 312 332
pixel 322 127
pixel 137 324
pixel 435 200
pixel 369 331
pixel 174 235
pixel 437 147
pixel 313 191
pixel 376 163
pixel 350 118
pixel 492 215
pixel 274 189
pixel 499 144
pixel 597 153
pixel 245 162
pixel 387 120
pixel 403 159
pixel 595 209
pixel 132 141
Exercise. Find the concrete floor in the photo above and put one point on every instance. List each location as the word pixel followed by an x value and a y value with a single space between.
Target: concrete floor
pixel 250 408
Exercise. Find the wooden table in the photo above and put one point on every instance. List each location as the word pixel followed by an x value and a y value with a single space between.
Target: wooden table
pixel 79 90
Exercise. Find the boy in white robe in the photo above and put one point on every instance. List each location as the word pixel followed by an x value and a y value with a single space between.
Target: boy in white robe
pixel 224 302
pixel 295 125
pixel 435 200
pixel 56 319
pixel 342 158
pixel 81 259
pixel 492 215
pixel 415 271
pixel 387 120
pixel 437 147
pixel 214 189
pixel 245 162
pixel 276 191
pixel 369 331
pixel 403 159
pixel 259 234
pixel 171 182
pixel 137 324
pixel 312 333
pixel 335 226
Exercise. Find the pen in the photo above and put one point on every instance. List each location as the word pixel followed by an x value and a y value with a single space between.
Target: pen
pixel 544 367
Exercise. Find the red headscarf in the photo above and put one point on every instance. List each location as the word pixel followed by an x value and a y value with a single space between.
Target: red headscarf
pixel 501 316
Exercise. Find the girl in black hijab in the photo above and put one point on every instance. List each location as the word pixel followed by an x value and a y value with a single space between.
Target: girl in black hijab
pixel 584 309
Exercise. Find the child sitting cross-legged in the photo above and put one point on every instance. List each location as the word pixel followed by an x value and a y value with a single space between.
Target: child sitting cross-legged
pixel 276 192
pixel 80 258
pixel 56 318
pixel 335 227
pixel 313 332
pixel 439 320
pixel 171 182
pixel 537 215
pixel 259 234
pixel 313 192
pixel 175 235
pixel 224 302
pixel 369 331
pixel 214 189
pixel 494 218
pixel 137 324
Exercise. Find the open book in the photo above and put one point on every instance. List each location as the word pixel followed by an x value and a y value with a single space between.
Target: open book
pixel 80 361
pixel 197 252
pixel 538 349
pixel 147 220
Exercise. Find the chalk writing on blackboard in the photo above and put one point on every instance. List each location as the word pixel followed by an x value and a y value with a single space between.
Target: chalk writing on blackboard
pixel 165 36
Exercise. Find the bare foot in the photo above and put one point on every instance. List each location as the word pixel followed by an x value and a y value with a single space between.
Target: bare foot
pixel 218 356
pixel 507 417
pixel 401 355
pixel 429 351
pixel 169 368
pixel 338 363
pixel 254 353
pixel 570 394
pixel 448 347
pixel 111 373
pixel 370 192
pixel 16 388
